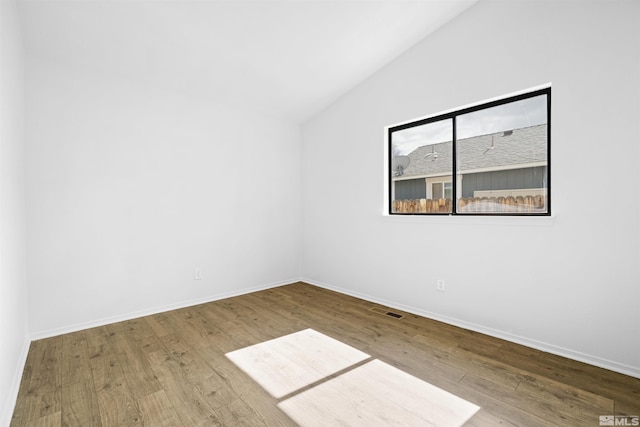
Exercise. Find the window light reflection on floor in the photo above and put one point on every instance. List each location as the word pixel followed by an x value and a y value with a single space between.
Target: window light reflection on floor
pixel 368 392
pixel 287 364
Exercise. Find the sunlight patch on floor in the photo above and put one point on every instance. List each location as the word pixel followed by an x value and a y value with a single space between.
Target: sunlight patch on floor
pixel 287 364
pixel 377 394
pixel 364 394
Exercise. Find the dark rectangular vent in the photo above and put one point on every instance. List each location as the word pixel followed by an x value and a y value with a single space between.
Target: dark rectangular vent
pixel 385 312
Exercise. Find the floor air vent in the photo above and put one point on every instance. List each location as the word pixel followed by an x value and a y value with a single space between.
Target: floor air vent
pixel 386 312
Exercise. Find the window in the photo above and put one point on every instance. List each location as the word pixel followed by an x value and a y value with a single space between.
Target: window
pixel 488 159
pixel 439 188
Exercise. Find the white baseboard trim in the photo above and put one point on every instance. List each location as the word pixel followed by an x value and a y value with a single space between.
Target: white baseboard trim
pixel 155 310
pixel 538 345
pixel 10 399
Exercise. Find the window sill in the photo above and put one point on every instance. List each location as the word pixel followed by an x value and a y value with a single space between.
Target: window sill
pixel 508 220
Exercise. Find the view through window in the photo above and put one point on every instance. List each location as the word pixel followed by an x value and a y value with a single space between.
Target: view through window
pixel 491 159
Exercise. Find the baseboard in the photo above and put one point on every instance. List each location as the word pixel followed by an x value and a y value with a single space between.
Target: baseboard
pixel 155 310
pixel 538 345
pixel 10 399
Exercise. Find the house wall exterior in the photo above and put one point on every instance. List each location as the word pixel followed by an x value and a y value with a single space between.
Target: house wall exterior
pixel 511 179
pixel 534 178
pixel 410 189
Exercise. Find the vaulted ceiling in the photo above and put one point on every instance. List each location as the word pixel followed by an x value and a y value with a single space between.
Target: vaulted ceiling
pixel 289 58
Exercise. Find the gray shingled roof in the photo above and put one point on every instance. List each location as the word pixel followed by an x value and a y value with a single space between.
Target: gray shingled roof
pixel 524 145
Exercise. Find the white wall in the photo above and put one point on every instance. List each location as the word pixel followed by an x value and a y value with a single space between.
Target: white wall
pixel 131 187
pixel 13 297
pixel 567 284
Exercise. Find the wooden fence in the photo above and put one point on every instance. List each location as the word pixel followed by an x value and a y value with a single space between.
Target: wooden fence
pixel 519 204
pixel 422 206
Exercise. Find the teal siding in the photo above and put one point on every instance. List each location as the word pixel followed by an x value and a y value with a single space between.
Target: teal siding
pixel 411 189
pixel 504 180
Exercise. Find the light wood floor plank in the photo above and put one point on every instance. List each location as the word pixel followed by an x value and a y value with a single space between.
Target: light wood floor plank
pixel 200 373
pixel 116 402
pixel 52 420
pixel 158 411
pixel 192 408
pixel 74 359
pixel 41 382
pixel 79 405
pixel 172 369
pixel 131 358
pixel 161 324
pixel 258 405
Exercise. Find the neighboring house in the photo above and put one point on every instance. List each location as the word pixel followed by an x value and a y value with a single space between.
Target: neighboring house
pixel 510 163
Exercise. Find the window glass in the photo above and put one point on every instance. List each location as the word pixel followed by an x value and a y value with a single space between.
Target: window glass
pixel 421 156
pixel 502 158
pixel 448 188
pixel 492 158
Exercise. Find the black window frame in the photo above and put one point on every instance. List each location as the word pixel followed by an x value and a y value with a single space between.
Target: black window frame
pixel 452 115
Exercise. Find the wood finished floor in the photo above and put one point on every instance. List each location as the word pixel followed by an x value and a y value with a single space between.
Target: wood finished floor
pixel 170 369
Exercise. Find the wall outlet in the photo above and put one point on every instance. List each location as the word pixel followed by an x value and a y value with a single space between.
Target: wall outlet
pixel 440 285
pixel 197 274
